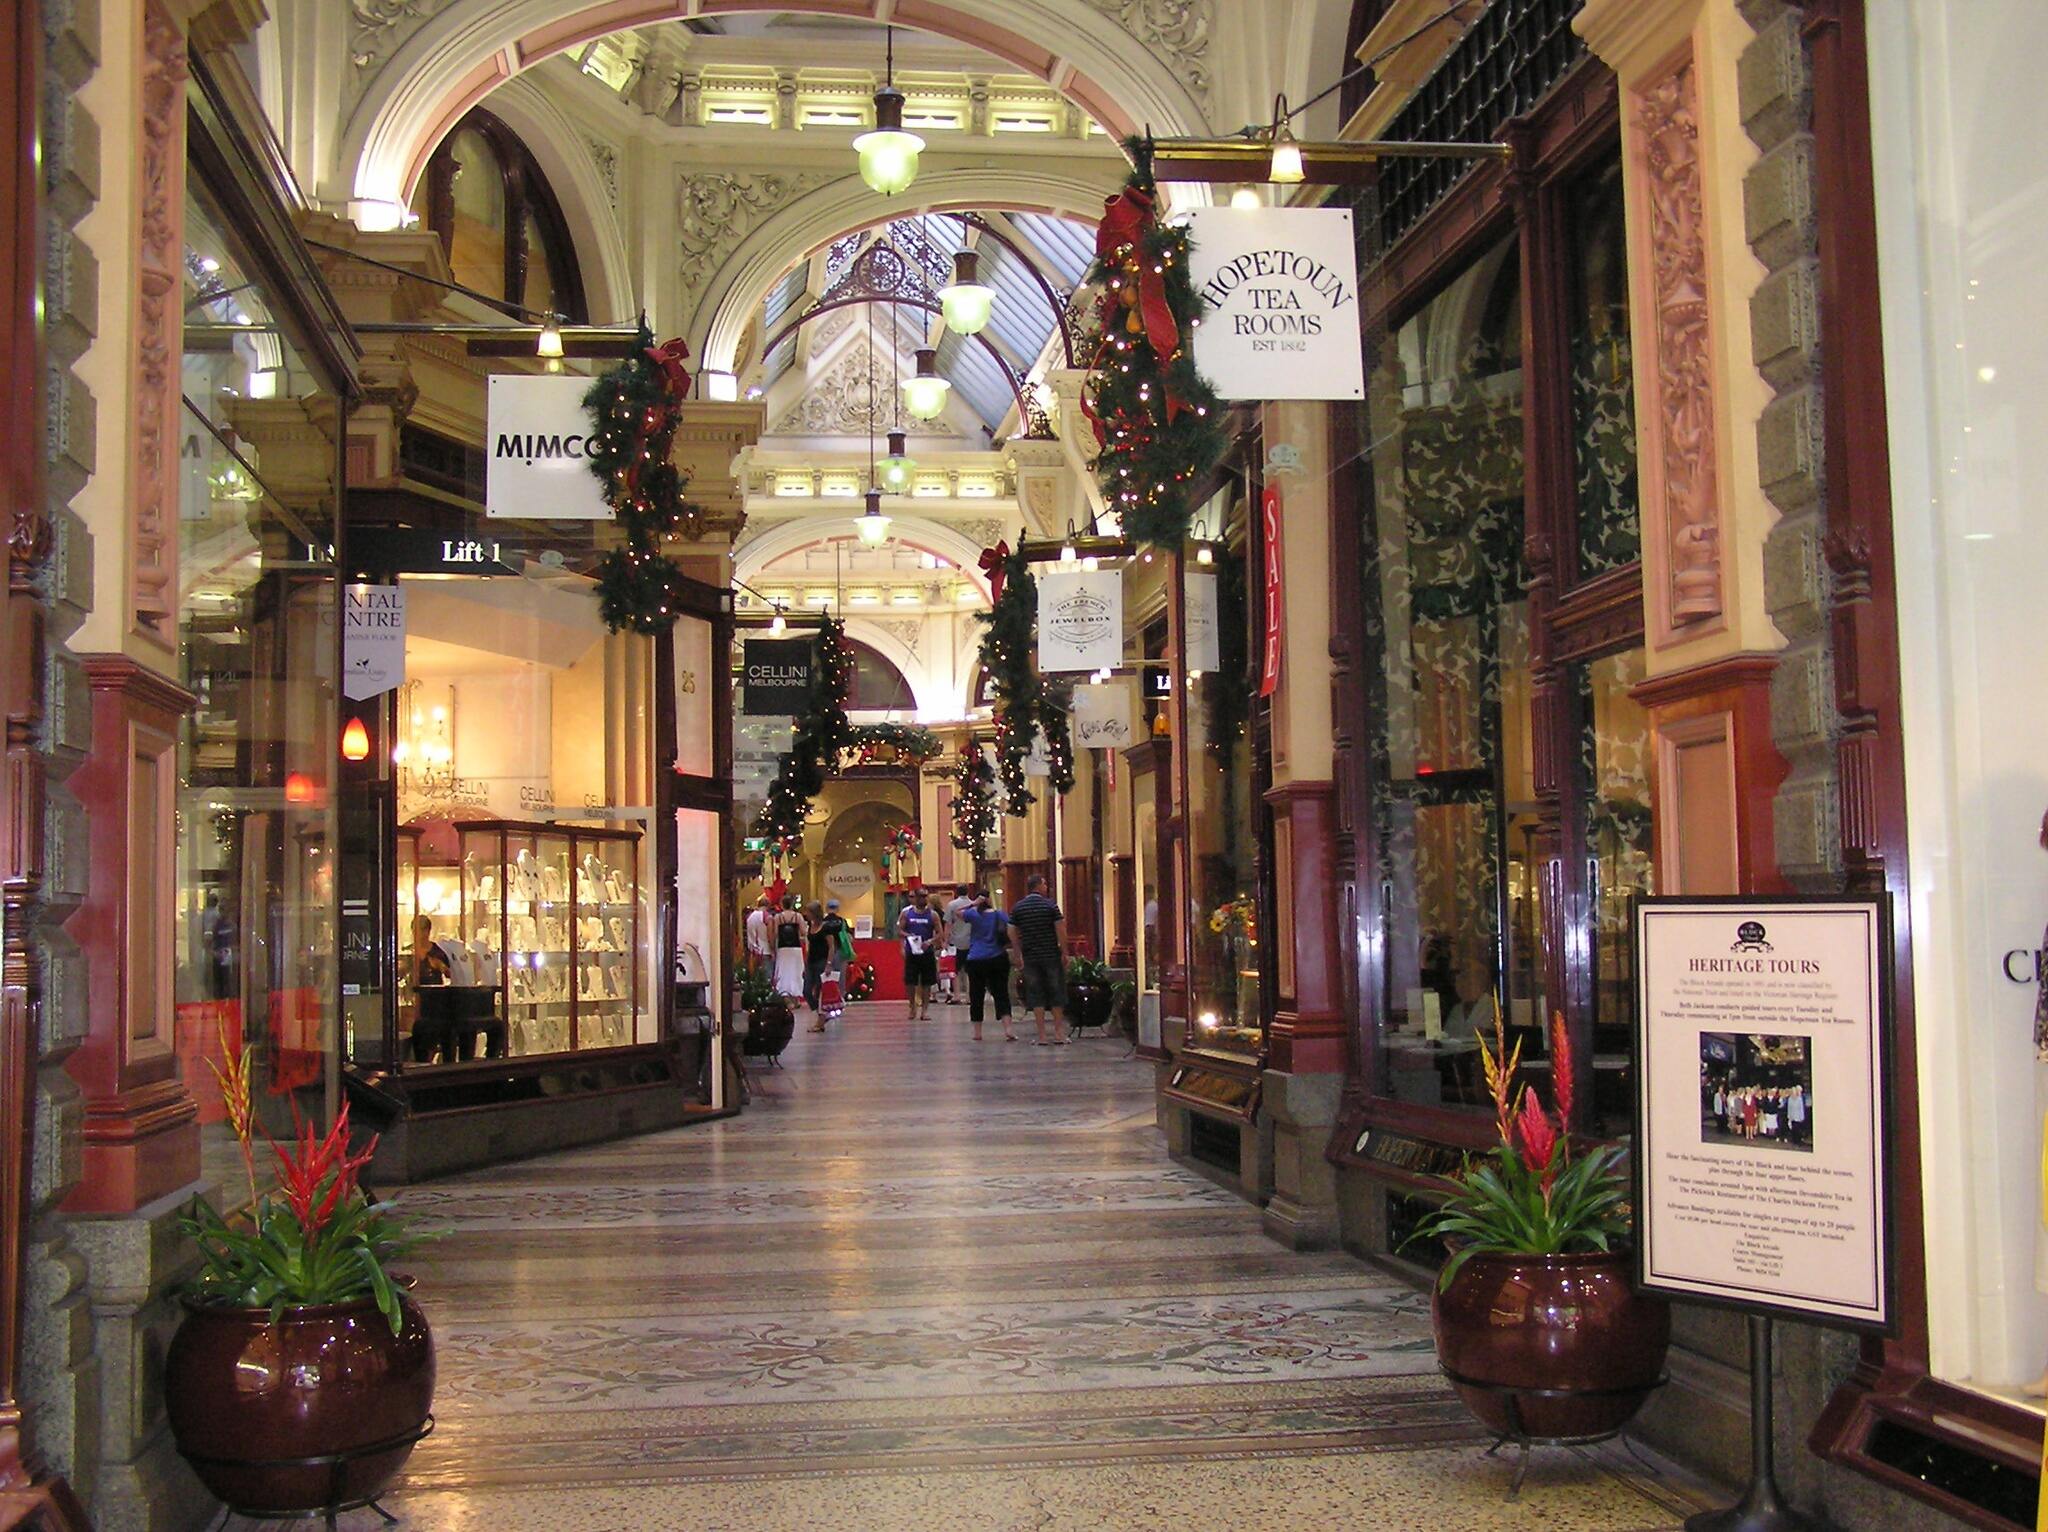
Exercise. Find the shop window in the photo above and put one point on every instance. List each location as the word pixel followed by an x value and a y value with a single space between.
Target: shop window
pixel 498 220
pixel 1501 773
pixel 255 945
pixel 1225 942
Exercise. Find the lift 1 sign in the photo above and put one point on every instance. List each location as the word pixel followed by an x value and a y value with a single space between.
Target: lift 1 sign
pixel 1281 286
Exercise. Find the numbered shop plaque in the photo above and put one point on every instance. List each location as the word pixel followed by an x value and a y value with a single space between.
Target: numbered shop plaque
pixel 1761 1124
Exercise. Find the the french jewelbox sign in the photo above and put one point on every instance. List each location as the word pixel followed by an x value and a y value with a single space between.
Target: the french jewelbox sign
pixel 1761 1109
pixel 1281 285
pixel 1080 620
pixel 538 435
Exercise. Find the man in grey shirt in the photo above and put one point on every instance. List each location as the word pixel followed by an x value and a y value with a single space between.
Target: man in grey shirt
pixel 959 936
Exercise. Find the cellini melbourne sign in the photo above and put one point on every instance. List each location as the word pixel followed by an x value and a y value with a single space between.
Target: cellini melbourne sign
pixel 538 435
pixel 1281 285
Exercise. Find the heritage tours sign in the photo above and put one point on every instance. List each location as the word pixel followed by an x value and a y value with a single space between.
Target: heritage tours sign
pixel 1760 1099
pixel 1281 285
pixel 536 436
pixel 777 677
pixel 1080 620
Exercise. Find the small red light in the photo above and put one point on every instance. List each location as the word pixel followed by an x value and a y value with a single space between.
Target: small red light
pixel 355 741
pixel 299 788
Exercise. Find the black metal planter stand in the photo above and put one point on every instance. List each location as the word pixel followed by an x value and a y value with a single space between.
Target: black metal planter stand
pixel 1518 1434
pixel 336 1463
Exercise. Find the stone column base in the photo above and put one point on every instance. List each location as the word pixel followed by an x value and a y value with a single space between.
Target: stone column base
pixel 1299 1109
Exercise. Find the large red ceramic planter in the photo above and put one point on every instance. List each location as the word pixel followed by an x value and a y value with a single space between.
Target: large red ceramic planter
pixel 1550 1347
pixel 250 1401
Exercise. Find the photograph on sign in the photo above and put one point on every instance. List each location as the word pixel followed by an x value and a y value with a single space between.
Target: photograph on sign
pixel 1199 614
pixel 538 431
pixel 775 677
pixel 1281 285
pixel 1760 1104
pixel 1080 620
pixel 1104 716
pixel 372 639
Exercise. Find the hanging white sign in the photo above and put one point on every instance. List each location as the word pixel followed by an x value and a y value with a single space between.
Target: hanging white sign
pixel 538 434
pixel 1199 616
pixel 373 640
pixel 1103 717
pixel 849 880
pixel 1281 284
pixel 1080 620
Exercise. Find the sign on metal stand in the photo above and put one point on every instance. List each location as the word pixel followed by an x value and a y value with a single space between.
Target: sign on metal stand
pixel 1762 1035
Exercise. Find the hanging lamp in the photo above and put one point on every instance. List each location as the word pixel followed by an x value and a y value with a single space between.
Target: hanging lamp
pixel 895 470
pixel 965 301
pixel 924 392
pixel 1285 166
pixel 872 527
pixel 888 154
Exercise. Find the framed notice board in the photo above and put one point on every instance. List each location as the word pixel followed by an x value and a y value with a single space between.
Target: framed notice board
pixel 1763 1030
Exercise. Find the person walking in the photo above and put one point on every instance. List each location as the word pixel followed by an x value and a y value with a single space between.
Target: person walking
pixel 988 964
pixel 958 933
pixel 1038 931
pixel 787 937
pixel 760 954
pixel 917 923
pixel 827 955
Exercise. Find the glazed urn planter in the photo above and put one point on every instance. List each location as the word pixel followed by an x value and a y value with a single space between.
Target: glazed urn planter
pixel 1564 1337
pixel 246 1397
pixel 1089 1005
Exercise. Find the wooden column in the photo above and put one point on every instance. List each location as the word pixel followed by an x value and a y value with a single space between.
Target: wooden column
pixel 141 1124
pixel 1307 1035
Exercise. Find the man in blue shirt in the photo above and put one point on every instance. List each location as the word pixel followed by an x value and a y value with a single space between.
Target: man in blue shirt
pixel 918 924
pixel 988 964
pixel 1038 927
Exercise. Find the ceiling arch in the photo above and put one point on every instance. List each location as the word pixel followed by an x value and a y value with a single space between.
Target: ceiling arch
pixel 922 533
pixel 586 205
pixel 453 59
pixel 734 294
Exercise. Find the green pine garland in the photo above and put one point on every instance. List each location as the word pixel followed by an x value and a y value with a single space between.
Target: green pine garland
pixel 1024 704
pixel 974 804
pixel 821 733
pixel 637 407
pixel 1157 421
pixel 911 743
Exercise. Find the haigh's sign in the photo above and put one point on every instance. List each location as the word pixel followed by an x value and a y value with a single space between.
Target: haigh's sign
pixel 537 440
pixel 1281 285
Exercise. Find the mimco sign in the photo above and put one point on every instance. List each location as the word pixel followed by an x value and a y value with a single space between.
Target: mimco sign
pixel 1281 285
pixel 538 435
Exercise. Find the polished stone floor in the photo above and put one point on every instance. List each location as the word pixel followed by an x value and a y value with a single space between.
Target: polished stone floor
pixel 924 1283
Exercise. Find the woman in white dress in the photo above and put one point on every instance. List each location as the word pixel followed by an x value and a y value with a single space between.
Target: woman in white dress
pixel 790 934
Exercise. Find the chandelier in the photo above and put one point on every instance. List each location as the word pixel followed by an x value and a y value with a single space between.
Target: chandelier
pixel 425 753
pixel 888 155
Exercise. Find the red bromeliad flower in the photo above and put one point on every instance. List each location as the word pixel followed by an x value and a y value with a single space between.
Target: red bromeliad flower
pixel 319 1175
pixel 1537 1136
pixel 1561 1067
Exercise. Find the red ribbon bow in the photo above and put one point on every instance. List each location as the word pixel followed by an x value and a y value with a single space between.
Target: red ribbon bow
pixel 669 357
pixel 1125 218
pixel 992 562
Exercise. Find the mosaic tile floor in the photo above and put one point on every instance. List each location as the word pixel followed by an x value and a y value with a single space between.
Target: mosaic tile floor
pixel 927 1284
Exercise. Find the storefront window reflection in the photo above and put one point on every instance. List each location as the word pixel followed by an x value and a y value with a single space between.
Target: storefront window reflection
pixel 1602 384
pixel 256 592
pixel 1614 779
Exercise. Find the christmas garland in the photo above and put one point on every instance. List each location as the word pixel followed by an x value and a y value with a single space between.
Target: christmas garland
pixel 1024 705
pixel 1154 418
pixel 821 733
pixel 909 742
pixel 636 407
pixel 974 805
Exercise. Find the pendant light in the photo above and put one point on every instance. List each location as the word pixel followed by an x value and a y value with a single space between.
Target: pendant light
pixel 872 527
pixel 964 301
pixel 896 469
pixel 1285 166
pixel 924 393
pixel 779 625
pixel 888 155
pixel 355 741
pixel 548 344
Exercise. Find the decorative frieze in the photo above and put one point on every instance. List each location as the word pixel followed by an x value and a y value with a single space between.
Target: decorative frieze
pixel 716 209
pixel 1176 30
pixel 159 330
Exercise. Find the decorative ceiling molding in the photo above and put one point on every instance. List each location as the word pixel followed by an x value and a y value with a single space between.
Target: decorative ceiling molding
pixel 376 30
pixel 1176 30
pixel 837 400
pixel 717 209
pixel 606 157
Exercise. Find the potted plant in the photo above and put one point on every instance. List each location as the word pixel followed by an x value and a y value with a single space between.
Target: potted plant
pixel 770 1021
pixel 1089 993
pixel 1537 1325
pixel 302 1373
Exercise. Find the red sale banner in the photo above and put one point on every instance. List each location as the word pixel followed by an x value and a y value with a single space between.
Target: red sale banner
pixel 1276 600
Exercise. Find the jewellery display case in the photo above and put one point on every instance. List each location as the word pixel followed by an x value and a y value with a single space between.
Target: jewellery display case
pixel 552 915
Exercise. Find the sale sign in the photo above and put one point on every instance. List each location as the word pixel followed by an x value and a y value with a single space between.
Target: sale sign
pixel 1276 594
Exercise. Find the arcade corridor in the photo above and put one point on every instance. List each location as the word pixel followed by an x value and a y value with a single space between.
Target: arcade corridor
pixel 922 1283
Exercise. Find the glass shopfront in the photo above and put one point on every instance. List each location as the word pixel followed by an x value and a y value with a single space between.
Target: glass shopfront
pixel 252 600
pixel 1500 774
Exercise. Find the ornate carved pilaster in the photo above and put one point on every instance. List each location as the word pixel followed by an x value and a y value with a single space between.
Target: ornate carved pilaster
pixel 716 209
pixel 159 330
pixel 1681 504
